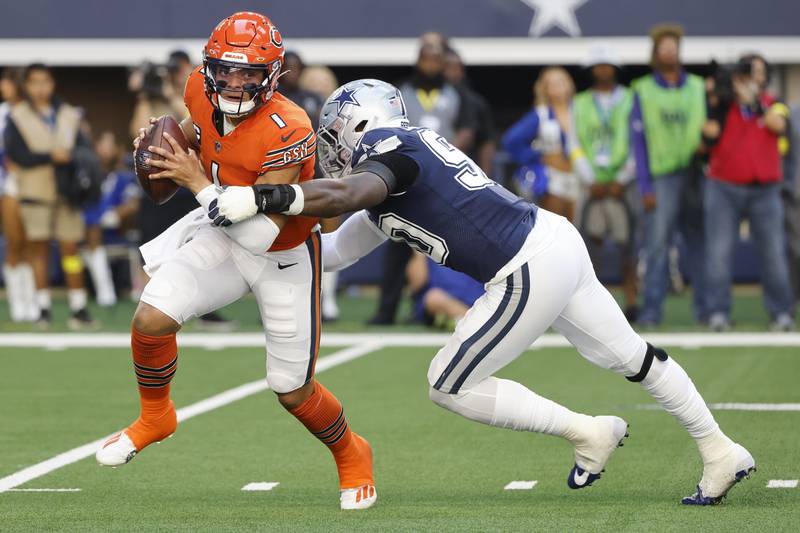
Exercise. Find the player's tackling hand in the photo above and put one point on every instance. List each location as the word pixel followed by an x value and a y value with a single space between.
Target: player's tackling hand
pixel 233 205
pixel 184 168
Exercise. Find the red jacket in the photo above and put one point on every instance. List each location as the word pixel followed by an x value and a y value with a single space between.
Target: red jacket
pixel 747 152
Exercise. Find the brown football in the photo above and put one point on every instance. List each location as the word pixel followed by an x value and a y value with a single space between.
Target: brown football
pixel 160 191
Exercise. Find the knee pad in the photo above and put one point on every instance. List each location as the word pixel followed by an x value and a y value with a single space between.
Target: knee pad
pixel 442 399
pixel 72 264
pixel 282 383
pixel 172 290
pixel 652 353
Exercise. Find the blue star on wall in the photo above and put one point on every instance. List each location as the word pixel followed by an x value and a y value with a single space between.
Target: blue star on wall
pixel 345 97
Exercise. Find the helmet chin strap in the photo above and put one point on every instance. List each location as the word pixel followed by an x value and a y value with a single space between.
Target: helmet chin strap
pixel 235 109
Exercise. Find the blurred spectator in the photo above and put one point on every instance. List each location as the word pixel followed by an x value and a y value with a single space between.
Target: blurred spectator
pixel 118 204
pixel 441 295
pixel 431 102
pixel 155 96
pixel 791 199
pixel 290 87
pixel 539 143
pixel 40 138
pixel 744 178
pixel 669 112
pixel 604 162
pixel 434 38
pixel 319 80
pixel 179 68
pixel 484 145
pixel 17 273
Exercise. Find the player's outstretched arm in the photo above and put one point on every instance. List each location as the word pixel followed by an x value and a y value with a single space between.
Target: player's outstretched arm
pixel 325 197
pixel 354 239
pixel 321 197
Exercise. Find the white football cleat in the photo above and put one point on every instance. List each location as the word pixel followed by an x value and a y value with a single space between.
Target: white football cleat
pixel 721 474
pixel 362 497
pixel 116 451
pixel 593 453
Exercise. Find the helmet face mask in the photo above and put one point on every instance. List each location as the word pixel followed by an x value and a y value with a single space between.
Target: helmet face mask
pixel 237 89
pixel 351 111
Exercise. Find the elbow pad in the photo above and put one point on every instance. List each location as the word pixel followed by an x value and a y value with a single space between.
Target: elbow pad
pixel 256 234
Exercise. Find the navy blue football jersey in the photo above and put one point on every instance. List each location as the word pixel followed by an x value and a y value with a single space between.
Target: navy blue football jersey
pixel 451 212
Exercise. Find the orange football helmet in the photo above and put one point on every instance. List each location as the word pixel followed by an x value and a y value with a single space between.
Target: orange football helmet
pixel 242 63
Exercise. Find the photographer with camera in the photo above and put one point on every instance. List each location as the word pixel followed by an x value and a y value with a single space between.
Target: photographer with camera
pixel 744 180
pixel 155 94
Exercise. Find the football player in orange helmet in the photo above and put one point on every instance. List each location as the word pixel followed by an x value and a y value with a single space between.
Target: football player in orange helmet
pixel 246 133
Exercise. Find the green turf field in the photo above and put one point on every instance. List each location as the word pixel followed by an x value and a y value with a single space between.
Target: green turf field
pixel 435 471
pixel 358 306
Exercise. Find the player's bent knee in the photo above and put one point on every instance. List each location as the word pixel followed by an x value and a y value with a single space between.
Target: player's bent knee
pixel 295 398
pixel 150 321
pixel 286 383
pixel 442 399
pixel 653 354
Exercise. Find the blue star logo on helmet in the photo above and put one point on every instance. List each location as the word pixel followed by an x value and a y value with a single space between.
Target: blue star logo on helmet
pixel 345 97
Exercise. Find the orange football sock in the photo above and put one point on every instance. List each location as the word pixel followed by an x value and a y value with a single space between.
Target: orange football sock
pixel 323 416
pixel 155 360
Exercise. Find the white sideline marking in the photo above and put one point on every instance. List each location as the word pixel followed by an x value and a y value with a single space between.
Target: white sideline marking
pixel 261 485
pixel 44 490
pixel 736 406
pixel 185 413
pixel 782 484
pixel 334 340
pixel 521 485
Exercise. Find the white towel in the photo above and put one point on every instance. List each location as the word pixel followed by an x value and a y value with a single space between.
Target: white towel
pixel 161 249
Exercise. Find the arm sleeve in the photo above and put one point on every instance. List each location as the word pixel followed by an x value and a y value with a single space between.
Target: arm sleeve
pixel 354 239
pixel 397 170
pixel 18 152
pixel 639 148
pixel 517 140
pixel 290 148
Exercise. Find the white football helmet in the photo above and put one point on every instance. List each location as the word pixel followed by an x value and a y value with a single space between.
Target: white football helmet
pixel 352 110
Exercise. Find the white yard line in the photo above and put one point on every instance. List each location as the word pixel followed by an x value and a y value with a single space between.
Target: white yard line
pixel 209 404
pixel 735 406
pixel 44 490
pixel 59 341
pixel 260 486
pixel 521 485
pixel 782 484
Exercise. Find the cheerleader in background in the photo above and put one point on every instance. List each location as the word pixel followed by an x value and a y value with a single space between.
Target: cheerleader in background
pixel 539 144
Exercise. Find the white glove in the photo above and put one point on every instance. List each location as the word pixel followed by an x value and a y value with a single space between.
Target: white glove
pixel 237 204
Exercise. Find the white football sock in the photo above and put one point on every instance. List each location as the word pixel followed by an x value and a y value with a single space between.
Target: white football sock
pixel 508 404
pixel 669 384
pixel 28 291
pixel 329 307
pixel 77 299
pixel 43 298
pixel 99 269
pixel 13 281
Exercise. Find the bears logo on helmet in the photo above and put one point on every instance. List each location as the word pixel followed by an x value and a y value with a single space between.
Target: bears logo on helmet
pixel 242 62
